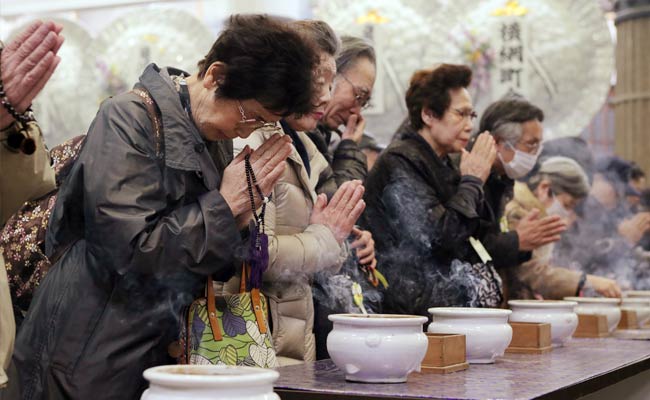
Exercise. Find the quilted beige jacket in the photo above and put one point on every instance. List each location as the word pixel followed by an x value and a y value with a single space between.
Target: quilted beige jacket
pixel 536 276
pixel 297 249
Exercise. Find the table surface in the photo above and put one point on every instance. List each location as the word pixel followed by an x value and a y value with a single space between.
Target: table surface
pixel 581 367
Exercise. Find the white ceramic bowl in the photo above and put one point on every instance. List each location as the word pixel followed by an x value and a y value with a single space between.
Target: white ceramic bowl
pixel 209 382
pixel 637 293
pixel 487 332
pixel 377 347
pixel 558 313
pixel 599 305
pixel 640 305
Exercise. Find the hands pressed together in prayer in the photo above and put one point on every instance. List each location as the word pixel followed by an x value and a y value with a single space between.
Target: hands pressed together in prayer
pixel 535 232
pixel 28 62
pixel 342 211
pixel 633 229
pixel 479 161
pixel 340 215
pixel 268 163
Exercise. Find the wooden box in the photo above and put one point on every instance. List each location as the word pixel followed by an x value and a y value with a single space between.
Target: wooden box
pixel 445 354
pixel 628 320
pixel 591 326
pixel 530 338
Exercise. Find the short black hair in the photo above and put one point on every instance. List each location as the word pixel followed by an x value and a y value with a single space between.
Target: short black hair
pixel 267 61
pixel 429 89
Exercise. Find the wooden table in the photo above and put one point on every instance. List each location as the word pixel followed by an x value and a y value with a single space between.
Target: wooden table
pixel 583 366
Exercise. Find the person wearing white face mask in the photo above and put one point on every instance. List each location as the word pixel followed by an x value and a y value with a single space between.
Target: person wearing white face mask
pixel 523 161
pixel 516 126
pixel 555 190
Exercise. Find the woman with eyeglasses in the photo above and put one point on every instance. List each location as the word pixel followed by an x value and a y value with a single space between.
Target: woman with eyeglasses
pixel 425 199
pixel 307 232
pixel 341 120
pixel 146 213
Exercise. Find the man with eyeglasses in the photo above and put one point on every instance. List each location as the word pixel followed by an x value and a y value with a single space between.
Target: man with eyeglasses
pixel 341 126
pixel 516 126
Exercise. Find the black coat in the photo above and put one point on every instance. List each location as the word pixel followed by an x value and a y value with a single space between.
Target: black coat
pixel 144 234
pixel 503 246
pixel 421 213
pixel 348 162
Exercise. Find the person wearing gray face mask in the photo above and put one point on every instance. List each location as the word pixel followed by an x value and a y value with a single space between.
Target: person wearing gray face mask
pixel 516 126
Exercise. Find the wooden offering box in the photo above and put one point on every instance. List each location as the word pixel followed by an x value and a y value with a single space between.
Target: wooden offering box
pixel 591 326
pixel 445 354
pixel 628 320
pixel 530 338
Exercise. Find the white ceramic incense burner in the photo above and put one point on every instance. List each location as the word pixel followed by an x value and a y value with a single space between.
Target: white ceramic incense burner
pixel 377 347
pixel 599 305
pixel 558 313
pixel 209 382
pixel 637 293
pixel 640 305
pixel 486 330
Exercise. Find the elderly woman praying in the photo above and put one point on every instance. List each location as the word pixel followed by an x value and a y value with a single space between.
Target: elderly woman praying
pixel 153 206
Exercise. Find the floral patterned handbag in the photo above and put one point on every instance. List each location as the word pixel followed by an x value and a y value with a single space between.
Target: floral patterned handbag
pixel 234 329
pixel 230 329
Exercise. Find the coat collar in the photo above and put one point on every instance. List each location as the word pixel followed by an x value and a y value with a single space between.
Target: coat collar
pixel 527 199
pixel 185 149
pixel 424 148
pixel 301 172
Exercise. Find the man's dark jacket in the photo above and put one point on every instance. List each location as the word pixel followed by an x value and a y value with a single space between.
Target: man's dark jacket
pixel 347 161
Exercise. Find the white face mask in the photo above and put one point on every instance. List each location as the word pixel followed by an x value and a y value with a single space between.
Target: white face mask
pixel 521 164
pixel 557 208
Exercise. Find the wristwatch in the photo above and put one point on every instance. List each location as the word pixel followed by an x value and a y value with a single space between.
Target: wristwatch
pixel 581 283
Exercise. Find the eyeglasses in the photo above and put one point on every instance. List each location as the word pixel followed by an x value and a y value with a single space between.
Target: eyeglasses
pixel 465 114
pixel 251 123
pixel 361 95
pixel 531 147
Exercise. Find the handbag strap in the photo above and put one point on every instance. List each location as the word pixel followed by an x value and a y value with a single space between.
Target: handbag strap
pixel 154 115
pixel 244 273
pixel 212 311
pixel 256 301
pixel 256 298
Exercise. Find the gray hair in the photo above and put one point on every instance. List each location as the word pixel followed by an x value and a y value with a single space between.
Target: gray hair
pixel 565 175
pixel 352 49
pixel 320 33
pixel 504 118
pixel 508 131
